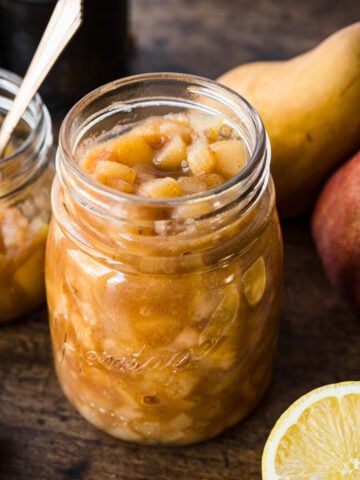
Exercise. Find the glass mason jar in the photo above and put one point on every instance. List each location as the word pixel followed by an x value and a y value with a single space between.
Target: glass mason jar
pixel 25 180
pixel 163 312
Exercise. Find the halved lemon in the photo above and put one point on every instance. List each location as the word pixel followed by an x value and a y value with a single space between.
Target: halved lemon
pixel 317 437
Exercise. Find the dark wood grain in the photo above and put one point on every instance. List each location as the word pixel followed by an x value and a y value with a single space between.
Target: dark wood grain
pixel 41 436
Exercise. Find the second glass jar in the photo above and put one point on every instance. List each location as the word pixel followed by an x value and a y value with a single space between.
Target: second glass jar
pixel 26 173
pixel 163 312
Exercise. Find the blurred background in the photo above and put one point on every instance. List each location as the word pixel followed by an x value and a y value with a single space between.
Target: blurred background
pixel 207 37
pixel 203 37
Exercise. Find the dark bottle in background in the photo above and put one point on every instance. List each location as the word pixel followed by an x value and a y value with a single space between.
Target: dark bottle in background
pixel 97 54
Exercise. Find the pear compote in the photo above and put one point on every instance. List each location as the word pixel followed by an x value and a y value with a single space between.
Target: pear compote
pixel 26 174
pixel 164 268
pixel 23 232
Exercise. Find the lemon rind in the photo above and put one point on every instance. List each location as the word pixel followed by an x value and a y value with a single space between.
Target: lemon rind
pixel 292 415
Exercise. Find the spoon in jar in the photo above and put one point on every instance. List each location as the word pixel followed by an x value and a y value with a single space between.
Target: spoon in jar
pixel 64 22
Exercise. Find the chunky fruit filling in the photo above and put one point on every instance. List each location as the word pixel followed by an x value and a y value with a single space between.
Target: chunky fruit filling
pixel 169 156
pixel 177 343
pixel 23 232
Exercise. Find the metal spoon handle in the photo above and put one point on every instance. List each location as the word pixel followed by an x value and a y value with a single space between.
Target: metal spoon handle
pixel 64 21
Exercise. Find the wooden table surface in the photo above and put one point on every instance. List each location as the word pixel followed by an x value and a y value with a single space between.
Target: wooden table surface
pixel 41 436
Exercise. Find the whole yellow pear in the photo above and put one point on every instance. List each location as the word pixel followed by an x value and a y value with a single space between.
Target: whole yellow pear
pixel 310 106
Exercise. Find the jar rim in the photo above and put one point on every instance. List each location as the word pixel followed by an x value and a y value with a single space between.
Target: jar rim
pixel 237 104
pixel 28 160
pixel 35 107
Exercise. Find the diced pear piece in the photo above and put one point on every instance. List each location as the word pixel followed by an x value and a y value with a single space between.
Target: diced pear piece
pixel 206 125
pixel 171 154
pixel 187 338
pixel 180 422
pixel 181 385
pixel 146 428
pixel 230 157
pixel 150 132
pixel 155 328
pixel 132 149
pixel 115 175
pixel 161 187
pixel 14 228
pixel 89 161
pixel 30 276
pixel 106 170
pixel 158 130
pixel 119 184
pixel 193 210
pixel 223 317
pixel 254 281
pixel 144 173
pixel 201 183
pixel 173 127
pixel 201 158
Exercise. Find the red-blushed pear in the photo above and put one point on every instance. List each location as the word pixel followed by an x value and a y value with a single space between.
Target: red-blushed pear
pixel 336 229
